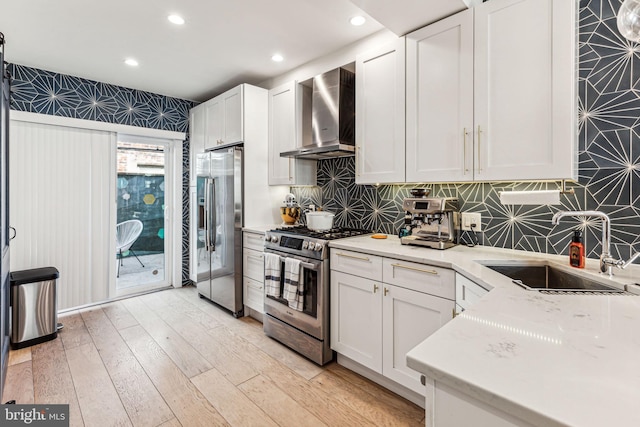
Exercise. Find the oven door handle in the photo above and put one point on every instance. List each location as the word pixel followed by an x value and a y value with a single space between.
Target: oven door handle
pixel 304 264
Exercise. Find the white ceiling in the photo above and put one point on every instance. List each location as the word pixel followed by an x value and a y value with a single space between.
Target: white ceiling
pixel 223 42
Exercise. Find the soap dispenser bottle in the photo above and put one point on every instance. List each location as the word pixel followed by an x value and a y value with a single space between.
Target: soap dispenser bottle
pixel 576 250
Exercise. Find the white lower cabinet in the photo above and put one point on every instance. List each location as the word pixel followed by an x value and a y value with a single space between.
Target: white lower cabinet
pixel 409 317
pixel 253 294
pixel 253 271
pixel 356 319
pixel 467 292
pixel 375 323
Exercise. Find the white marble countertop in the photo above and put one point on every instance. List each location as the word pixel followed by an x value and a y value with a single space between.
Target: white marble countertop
pixel 261 229
pixel 264 228
pixel 547 359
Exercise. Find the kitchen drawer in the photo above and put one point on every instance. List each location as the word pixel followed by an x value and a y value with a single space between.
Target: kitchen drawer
pixel 253 294
pixel 363 265
pixel 419 277
pixel 253 264
pixel 467 292
pixel 251 240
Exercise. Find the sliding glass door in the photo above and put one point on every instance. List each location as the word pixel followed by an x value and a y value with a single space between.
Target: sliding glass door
pixel 142 227
pixel 71 187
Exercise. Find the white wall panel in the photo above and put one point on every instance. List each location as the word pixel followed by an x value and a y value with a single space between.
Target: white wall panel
pixel 60 195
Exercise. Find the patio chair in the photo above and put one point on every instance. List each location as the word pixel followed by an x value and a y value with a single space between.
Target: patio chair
pixel 127 233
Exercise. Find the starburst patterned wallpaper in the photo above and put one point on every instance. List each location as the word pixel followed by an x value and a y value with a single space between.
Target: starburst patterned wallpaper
pixel 609 166
pixel 44 92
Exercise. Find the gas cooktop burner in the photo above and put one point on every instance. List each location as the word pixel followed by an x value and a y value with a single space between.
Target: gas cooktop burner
pixel 334 233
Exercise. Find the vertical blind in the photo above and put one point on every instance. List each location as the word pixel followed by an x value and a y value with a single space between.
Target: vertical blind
pixel 60 193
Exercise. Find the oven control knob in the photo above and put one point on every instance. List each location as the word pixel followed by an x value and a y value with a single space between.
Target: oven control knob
pixel 274 239
pixel 267 237
pixel 305 244
pixel 318 247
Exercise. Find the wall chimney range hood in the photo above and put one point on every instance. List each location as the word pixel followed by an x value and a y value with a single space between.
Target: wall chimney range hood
pixel 332 117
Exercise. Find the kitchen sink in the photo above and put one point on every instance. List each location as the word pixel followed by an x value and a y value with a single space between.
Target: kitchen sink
pixel 551 279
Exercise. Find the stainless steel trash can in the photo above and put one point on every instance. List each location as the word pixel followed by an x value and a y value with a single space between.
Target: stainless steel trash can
pixel 34 311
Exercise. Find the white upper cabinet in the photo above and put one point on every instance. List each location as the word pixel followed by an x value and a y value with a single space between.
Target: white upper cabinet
pixel 286 133
pixel 239 115
pixel 233 107
pixel 491 94
pixel 282 132
pixel 213 122
pixel 525 119
pixel 380 115
pixel 225 118
pixel 440 101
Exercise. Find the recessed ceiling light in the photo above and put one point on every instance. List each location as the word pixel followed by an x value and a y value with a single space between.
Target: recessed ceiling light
pixel 176 19
pixel 357 20
pixel 131 62
pixel 277 58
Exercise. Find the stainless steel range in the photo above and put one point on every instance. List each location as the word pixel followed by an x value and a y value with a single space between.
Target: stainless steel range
pixel 305 331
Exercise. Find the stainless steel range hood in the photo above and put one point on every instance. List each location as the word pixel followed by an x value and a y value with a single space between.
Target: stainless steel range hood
pixel 332 117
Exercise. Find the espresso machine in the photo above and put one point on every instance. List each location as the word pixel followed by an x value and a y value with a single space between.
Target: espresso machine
pixel 433 222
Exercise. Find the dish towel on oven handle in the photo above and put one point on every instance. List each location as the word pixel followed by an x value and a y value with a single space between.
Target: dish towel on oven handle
pixel 272 275
pixel 293 287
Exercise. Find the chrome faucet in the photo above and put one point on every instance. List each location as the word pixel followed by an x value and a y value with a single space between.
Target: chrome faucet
pixel 625 264
pixel 607 262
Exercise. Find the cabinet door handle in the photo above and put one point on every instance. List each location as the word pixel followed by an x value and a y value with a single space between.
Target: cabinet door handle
pixel 375 288
pixel 357 156
pixel 290 174
pixel 464 151
pixel 422 270
pixel 352 256
pixel 386 291
pixel 479 161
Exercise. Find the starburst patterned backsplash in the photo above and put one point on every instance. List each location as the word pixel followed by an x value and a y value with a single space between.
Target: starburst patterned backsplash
pixel 609 163
pixel 45 92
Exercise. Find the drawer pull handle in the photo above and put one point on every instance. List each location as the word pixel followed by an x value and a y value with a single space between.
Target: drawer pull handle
pixel 422 270
pixel 353 256
pixel 259 257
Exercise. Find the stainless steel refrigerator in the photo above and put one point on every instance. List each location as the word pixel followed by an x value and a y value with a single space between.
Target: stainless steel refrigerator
pixel 219 221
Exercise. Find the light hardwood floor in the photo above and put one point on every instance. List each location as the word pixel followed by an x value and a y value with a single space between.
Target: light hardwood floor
pixel 170 359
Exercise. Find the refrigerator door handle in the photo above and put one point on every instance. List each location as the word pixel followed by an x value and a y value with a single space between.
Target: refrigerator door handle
pixel 214 219
pixel 207 208
pixel 210 215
